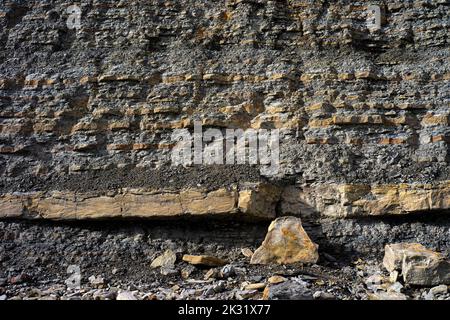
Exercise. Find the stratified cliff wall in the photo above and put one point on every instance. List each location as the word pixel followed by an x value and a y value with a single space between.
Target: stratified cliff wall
pixel 87 114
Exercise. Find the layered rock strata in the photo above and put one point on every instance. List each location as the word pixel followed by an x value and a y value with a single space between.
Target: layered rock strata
pixel 363 112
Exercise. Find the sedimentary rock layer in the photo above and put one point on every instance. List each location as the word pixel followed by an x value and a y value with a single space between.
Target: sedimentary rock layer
pixel 249 201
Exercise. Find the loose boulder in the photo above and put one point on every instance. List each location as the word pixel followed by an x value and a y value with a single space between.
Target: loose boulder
pixel 286 242
pixel 418 265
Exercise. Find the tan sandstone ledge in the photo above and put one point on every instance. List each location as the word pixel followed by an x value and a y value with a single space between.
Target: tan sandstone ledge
pixel 359 200
pixel 249 201
pixel 256 201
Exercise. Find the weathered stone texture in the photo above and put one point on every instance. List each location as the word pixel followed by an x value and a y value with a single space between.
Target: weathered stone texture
pixel 419 265
pixel 137 203
pixel 286 242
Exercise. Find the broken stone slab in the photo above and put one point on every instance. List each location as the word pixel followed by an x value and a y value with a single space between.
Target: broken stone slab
pixel 203 260
pixel 286 242
pixel 418 265
pixel 394 253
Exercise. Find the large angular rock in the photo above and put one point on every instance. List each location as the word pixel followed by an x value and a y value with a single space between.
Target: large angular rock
pixel 419 265
pixel 286 242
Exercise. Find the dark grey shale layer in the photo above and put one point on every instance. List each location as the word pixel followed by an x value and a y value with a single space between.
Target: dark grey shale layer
pixel 86 115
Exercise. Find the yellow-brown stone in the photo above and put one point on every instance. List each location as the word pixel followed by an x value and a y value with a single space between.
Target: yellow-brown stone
pixel 286 242
pixel 204 260
pixel 259 200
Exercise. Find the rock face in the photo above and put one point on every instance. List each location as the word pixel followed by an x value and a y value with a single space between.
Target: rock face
pixel 286 242
pixel 87 112
pixel 418 265
pixel 141 203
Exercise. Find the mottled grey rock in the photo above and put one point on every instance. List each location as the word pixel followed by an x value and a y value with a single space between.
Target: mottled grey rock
pixel 288 290
pixel 125 295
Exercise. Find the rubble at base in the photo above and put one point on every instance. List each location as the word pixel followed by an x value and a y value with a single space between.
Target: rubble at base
pixel 116 263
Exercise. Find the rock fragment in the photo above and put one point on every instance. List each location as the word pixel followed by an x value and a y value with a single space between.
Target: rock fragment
pixel 255 286
pixel 259 200
pixel 125 296
pixel 203 260
pixel 211 274
pixel 288 290
pixel 166 260
pixel 442 289
pixel 320 295
pixel 418 265
pixel 227 271
pixel 187 271
pixel 96 281
pixel 276 279
pixel 381 295
pixel 436 292
pixel 245 294
pixel 286 242
pixel 246 252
